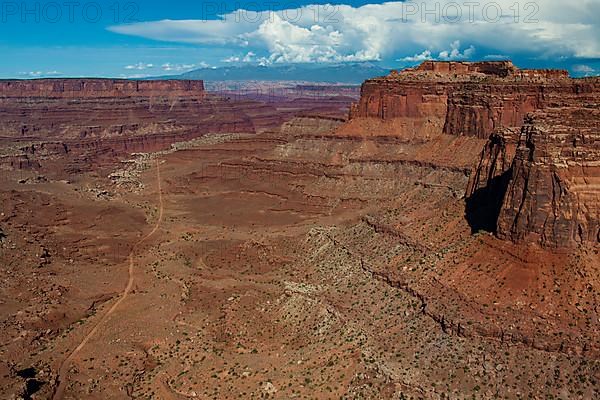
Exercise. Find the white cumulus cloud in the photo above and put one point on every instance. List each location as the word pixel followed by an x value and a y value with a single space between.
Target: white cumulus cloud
pixel 231 59
pixel 585 70
pixel 452 54
pixel 425 55
pixel 40 74
pixel 139 66
pixel 496 57
pixel 249 57
pixel 183 67
pixel 455 54
pixel 403 30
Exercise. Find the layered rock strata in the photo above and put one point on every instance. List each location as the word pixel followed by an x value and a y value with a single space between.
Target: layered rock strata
pixel 553 196
pixel 473 99
pixel 537 176
pixel 99 88
pixel 46 119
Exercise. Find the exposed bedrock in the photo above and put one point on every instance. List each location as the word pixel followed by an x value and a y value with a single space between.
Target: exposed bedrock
pixel 473 99
pixel 313 124
pixel 104 117
pixel 99 88
pixel 538 176
pixel 87 119
pixel 554 191
pixel 542 184
pixel 490 179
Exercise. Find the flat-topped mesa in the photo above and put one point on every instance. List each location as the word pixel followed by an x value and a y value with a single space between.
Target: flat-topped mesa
pixel 100 88
pixel 118 115
pixel 472 99
pixel 453 71
pixel 497 68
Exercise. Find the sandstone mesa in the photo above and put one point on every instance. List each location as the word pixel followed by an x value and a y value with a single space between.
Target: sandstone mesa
pixel 540 166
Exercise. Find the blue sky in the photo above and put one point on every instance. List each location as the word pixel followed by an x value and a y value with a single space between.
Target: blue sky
pixel 121 38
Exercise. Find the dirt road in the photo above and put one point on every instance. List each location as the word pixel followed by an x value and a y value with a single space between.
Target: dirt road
pixel 61 379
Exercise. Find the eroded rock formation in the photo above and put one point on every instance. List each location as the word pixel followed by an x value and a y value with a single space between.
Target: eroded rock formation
pixel 473 99
pixel 537 177
pixel 554 191
pixel 99 88
pixel 42 120
pixel 490 179
pixel 343 246
pixel 104 108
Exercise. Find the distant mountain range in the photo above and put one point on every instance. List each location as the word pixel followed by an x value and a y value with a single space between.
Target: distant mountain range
pixel 351 73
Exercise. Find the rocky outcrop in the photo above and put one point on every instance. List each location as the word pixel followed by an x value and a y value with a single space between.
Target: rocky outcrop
pixel 46 119
pixel 501 69
pixel 111 117
pixel 495 161
pixel 543 183
pixel 497 68
pixel 473 99
pixel 20 161
pixel 314 124
pixel 478 109
pixel 538 176
pixel 490 179
pixel 553 196
pixel 390 97
pixel 84 123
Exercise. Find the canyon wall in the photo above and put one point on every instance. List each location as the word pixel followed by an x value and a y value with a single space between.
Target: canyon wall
pixel 99 88
pixel 478 109
pixel 106 108
pixel 541 183
pixel 473 99
pixel 388 98
pixel 489 180
pixel 88 120
pixel 538 176
pixel 553 196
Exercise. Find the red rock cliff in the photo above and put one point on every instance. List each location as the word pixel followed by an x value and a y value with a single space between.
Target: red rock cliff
pixel 489 180
pixel 553 196
pixel 538 177
pixel 98 88
pixel 92 117
pixel 473 99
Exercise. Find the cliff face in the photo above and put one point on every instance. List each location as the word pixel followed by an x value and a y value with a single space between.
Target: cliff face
pixel 473 99
pixel 86 119
pixel 99 88
pixel 541 184
pixel 490 179
pixel 89 121
pixel 554 191
pixel 477 109
pixel 117 125
pixel 101 108
pixel 538 176
pixel 495 161
pixel 389 98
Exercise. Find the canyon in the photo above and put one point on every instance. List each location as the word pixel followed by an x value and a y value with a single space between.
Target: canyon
pixel 435 236
pixel 94 120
